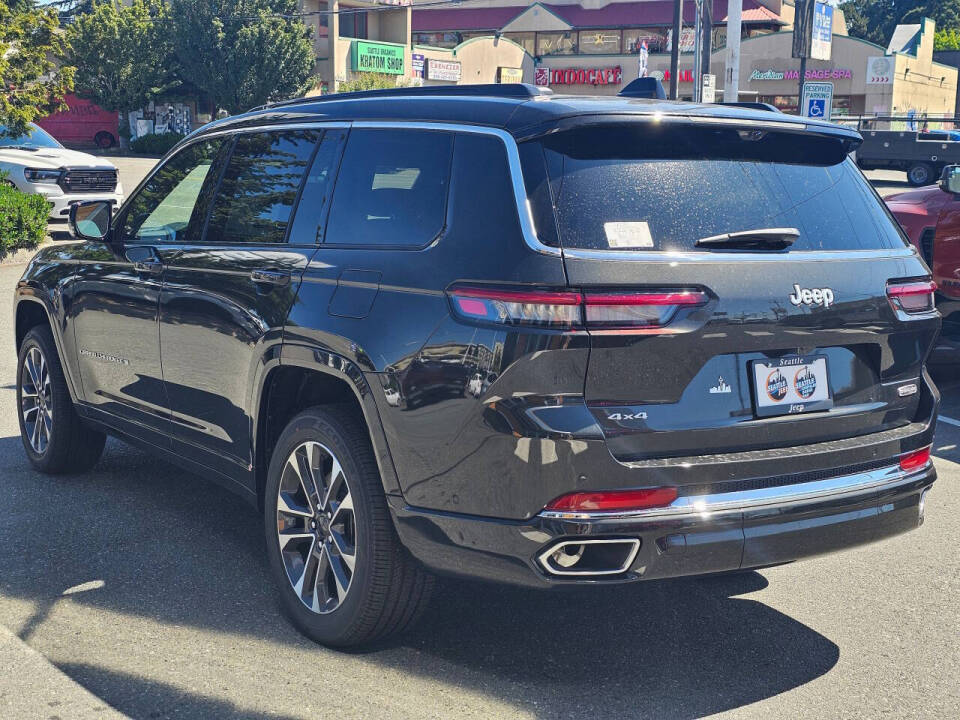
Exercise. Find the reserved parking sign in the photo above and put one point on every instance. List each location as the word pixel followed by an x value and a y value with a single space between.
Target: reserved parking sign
pixel 817 100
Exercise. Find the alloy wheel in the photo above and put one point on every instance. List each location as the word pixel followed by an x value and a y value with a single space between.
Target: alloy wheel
pixel 316 527
pixel 36 400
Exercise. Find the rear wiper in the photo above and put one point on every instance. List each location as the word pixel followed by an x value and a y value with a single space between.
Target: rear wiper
pixel 759 239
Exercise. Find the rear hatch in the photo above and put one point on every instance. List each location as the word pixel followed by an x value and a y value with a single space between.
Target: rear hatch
pixel 812 326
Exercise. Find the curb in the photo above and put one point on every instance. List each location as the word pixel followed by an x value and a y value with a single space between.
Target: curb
pixel 32 687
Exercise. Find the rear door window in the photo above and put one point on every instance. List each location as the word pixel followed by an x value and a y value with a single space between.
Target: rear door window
pixel 260 185
pixel 638 188
pixel 392 188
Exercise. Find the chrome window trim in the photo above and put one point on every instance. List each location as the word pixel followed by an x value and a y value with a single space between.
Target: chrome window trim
pixel 704 505
pixel 662 256
pixel 524 211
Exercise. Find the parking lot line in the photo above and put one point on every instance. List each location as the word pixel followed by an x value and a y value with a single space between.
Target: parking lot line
pixel 949 420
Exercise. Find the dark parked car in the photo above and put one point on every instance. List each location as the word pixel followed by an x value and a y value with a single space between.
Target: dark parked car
pixel 701 341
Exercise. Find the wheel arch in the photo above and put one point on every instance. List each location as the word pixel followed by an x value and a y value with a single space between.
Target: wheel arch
pixel 31 310
pixel 307 377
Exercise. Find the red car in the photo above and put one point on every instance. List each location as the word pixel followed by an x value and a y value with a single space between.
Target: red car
pixel 83 124
pixel 930 216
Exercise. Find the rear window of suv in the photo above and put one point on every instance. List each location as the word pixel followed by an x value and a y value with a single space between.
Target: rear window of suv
pixel 648 187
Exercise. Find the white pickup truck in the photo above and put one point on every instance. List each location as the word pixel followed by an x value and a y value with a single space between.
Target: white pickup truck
pixel 37 163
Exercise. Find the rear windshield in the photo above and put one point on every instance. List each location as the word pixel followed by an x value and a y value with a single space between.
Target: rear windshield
pixel 662 188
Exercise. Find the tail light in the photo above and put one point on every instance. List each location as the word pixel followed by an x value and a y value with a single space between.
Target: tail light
pixel 912 297
pixel 595 311
pixel 916 459
pixel 613 500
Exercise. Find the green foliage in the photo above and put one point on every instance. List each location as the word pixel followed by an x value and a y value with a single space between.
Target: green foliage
pixel 947 40
pixel 241 52
pixel 875 20
pixel 369 81
pixel 155 144
pixel 30 46
pixel 123 54
pixel 23 219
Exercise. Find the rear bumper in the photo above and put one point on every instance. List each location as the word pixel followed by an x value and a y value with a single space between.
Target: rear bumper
pixel 696 535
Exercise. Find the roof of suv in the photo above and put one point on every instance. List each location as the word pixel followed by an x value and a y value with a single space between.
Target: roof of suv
pixel 518 109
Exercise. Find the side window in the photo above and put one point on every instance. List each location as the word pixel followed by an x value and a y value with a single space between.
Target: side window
pixel 171 207
pixel 317 188
pixel 260 185
pixel 392 188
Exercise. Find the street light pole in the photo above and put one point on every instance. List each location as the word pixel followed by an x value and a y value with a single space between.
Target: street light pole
pixel 731 81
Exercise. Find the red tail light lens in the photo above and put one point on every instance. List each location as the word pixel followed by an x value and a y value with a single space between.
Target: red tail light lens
pixel 916 459
pixel 613 500
pixel 605 311
pixel 634 311
pixel 518 307
pixel 912 297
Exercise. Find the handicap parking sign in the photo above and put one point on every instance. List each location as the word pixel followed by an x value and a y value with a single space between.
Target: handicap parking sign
pixel 817 100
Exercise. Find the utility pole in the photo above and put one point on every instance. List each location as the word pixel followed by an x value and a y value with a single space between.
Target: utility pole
pixel 707 43
pixel 697 44
pixel 731 81
pixel 675 50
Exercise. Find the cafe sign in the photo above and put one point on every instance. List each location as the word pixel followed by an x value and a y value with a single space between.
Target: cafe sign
pixel 579 76
pixel 376 57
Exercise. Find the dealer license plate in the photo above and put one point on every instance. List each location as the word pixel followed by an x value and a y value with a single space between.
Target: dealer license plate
pixel 789 385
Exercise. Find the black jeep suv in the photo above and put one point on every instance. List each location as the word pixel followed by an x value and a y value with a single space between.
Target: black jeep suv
pixel 499 333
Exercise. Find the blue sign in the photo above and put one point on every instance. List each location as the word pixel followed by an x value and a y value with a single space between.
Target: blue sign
pixel 822 31
pixel 816 108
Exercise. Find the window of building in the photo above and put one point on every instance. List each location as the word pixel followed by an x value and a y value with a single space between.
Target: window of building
pixel 437 39
pixel 169 208
pixel 392 188
pixel 599 42
pixel 353 24
pixel 556 43
pixel 656 40
pixel 527 40
pixel 260 185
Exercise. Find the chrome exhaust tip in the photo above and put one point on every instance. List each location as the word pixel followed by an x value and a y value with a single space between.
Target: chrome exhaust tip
pixel 921 506
pixel 589 557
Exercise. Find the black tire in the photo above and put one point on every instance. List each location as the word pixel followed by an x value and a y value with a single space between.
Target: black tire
pixel 388 589
pixel 71 446
pixel 104 140
pixel 919 174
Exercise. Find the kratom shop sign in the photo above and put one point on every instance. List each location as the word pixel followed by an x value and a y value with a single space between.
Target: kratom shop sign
pixel 777 74
pixel 376 57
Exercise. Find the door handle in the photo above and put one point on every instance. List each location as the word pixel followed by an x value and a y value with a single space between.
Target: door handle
pixel 270 277
pixel 148 267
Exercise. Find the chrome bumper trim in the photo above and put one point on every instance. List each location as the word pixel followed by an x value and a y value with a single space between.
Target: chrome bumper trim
pixel 704 505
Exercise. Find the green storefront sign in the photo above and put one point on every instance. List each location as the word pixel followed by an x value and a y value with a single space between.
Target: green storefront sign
pixel 376 57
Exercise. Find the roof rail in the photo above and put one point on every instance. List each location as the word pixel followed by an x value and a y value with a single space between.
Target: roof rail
pixel 507 90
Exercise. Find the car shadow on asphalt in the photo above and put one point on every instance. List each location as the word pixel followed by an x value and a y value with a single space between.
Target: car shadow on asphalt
pixel 182 552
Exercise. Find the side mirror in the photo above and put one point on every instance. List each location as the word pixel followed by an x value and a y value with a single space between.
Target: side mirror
pixel 950 179
pixel 91 220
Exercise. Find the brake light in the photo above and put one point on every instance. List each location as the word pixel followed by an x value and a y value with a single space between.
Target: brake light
pixel 614 500
pixel 912 297
pixel 916 459
pixel 605 311
pixel 571 310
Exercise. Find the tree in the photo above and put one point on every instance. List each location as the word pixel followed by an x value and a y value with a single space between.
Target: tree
pixel 947 40
pixel 123 54
pixel 242 53
pixel 875 20
pixel 33 84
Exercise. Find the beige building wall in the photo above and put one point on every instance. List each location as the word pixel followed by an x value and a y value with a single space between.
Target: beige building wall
pixel 920 84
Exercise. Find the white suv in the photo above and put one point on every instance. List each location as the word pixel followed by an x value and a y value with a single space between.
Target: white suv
pixel 36 163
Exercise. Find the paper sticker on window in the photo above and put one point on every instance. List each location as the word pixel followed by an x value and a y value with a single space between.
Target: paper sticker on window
pixel 628 234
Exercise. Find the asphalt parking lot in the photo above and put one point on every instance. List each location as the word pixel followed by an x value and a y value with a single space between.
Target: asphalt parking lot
pixel 149 587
